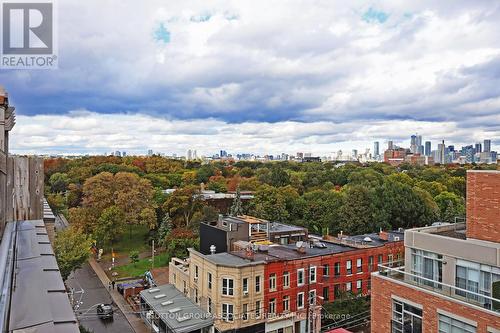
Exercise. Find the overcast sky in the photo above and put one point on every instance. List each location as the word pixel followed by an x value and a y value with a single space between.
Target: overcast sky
pixel 262 76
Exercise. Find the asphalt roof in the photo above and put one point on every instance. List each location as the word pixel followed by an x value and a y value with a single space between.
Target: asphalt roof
pixel 281 227
pixel 177 311
pixel 228 259
pixel 39 300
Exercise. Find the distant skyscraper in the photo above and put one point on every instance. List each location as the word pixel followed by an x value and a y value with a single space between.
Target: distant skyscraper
pixel 487 146
pixel 479 148
pixel 428 148
pixel 150 152
pixel 390 145
pixel 441 153
pixel 355 153
pixel 189 155
pixel 413 144
pixel 376 149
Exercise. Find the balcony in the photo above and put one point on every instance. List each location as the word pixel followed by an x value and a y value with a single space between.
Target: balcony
pixel 482 301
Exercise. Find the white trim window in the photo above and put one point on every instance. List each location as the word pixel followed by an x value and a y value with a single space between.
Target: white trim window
pixel 272 306
pixel 406 318
pixel 312 296
pixel 245 286
pixel 312 274
pixel 227 312
pixel 359 286
pixel 300 300
pixel 244 315
pixel 257 284
pixel 227 287
pixel 348 286
pixel 209 278
pixel 359 265
pixel 348 266
pixel 477 278
pixel 452 325
pixel 286 280
pixel 272 282
pixel 257 309
pixel 286 303
pixel 300 277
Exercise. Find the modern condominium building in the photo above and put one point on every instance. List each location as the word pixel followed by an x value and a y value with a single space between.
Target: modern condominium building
pixel 451 278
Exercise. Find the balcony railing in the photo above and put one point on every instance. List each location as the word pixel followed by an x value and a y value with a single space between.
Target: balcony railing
pixel 481 300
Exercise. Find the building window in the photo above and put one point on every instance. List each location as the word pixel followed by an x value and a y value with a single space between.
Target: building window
pixel 348 286
pixel 336 268
pixel 300 300
pixel 312 274
pixel 349 266
pixel 227 312
pixel 272 306
pixel 312 296
pixel 359 286
pixel 390 259
pixel 257 309
pixel 337 291
pixel 359 265
pixel 245 286
pixel 406 318
pixel 370 263
pixel 326 293
pixel 196 271
pixel 209 305
pixel 272 282
pixel 257 284
pixel 479 279
pixel 184 287
pixel 227 287
pixel 286 303
pixel 326 270
pixel 380 259
pixel 300 277
pixel 196 295
pixel 244 315
pixel 209 280
pixel 428 265
pixel 286 280
pixel 452 325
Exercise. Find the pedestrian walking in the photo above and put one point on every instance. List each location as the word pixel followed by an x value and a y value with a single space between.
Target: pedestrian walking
pixel 113 284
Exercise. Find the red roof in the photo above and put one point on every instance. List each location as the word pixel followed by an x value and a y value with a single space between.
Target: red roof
pixel 339 330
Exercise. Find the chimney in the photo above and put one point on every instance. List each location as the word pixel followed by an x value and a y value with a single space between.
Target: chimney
pixel 383 235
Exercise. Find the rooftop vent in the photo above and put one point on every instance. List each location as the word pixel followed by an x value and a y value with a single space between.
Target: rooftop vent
pixel 174 310
pixel 167 303
pixel 263 248
pixel 160 296
pixel 367 239
pixel 183 318
pixel 154 290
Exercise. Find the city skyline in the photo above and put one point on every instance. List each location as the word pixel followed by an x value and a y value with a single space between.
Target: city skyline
pixel 302 75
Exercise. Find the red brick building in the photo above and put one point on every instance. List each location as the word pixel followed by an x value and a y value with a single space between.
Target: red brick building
pixel 451 278
pixel 298 279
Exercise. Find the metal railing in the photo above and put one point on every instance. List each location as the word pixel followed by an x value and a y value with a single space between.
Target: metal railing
pixel 6 271
pixel 464 295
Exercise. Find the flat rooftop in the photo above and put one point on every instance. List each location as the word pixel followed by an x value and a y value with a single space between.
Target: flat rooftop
pixel 176 310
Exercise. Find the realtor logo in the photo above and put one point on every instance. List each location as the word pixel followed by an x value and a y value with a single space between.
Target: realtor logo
pixel 28 35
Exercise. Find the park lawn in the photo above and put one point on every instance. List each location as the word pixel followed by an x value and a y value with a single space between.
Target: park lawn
pixel 134 238
pixel 140 267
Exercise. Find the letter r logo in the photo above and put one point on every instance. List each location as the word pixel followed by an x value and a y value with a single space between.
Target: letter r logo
pixel 27 28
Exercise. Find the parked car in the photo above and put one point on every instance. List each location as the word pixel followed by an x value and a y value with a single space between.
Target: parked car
pixel 105 311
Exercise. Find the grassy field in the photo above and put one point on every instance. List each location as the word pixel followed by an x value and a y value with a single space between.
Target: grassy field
pixel 131 270
pixel 133 239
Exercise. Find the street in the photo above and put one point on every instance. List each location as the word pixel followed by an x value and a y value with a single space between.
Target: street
pixel 95 293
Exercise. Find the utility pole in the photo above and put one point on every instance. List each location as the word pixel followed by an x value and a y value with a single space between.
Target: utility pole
pixel 153 255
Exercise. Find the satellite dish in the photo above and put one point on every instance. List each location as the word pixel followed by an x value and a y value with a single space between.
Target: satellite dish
pixel 299 244
pixel 367 239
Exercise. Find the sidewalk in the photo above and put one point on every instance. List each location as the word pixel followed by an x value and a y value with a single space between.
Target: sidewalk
pixel 134 320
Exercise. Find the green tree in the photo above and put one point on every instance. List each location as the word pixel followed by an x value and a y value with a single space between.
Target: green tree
pixel 134 257
pixel 72 249
pixel 110 226
pixel 322 210
pixel 268 203
pixel 58 182
pixel 183 204
pixel 164 230
pixel 237 207
pixel 450 206
pixel 279 177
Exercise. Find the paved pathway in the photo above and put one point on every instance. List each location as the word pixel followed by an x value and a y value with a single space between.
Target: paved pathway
pixel 135 321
